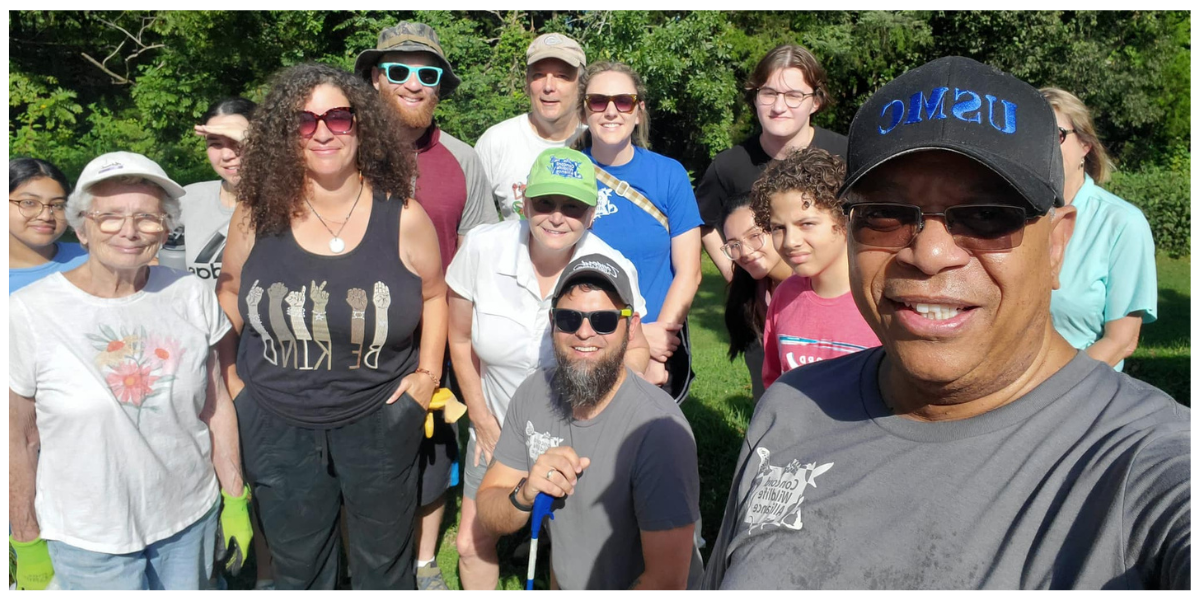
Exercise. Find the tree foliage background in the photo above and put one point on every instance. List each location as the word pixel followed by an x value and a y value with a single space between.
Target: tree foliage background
pixel 86 82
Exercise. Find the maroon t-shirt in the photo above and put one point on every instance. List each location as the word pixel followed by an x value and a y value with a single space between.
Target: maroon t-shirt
pixel 441 190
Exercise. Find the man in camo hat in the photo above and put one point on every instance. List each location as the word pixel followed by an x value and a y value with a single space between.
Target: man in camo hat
pixel 410 70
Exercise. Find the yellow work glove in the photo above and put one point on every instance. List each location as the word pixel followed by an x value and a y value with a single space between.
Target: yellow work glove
pixel 30 564
pixel 443 400
pixel 234 532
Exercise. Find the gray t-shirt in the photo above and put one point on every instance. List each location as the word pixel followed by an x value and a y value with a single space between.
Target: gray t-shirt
pixel 205 225
pixel 1082 483
pixel 643 476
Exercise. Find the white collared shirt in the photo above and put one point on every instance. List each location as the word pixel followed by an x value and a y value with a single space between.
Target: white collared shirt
pixel 510 320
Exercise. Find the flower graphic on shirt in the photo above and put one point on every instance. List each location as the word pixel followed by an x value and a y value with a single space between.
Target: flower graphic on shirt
pixel 163 353
pixel 136 366
pixel 114 349
pixel 131 383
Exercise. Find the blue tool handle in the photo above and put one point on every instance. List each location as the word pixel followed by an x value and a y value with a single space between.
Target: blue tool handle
pixel 541 508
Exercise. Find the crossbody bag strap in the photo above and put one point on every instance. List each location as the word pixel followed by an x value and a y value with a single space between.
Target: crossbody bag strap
pixel 626 191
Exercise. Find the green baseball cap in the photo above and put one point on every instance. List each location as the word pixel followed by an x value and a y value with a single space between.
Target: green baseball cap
pixel 564 172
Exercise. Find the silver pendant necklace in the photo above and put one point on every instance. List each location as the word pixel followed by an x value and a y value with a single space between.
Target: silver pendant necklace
pixel 337 245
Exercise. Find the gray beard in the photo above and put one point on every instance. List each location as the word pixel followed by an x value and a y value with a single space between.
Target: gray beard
pixel 576 386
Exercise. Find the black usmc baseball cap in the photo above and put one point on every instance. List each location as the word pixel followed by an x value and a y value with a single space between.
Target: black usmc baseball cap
pixel 963 106
pixel 596 266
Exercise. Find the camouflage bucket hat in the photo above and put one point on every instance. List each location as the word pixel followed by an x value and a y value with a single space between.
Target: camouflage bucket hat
pixel 408 37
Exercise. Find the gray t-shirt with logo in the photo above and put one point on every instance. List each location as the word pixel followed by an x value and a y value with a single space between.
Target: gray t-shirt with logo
pixel 643 476
pixel 205 226
pixel 1082 483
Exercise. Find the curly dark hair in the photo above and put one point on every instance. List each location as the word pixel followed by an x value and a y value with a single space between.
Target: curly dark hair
pixel 812 171
pixel 273 180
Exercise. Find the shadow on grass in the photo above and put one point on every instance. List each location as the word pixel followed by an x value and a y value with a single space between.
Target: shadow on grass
pixel 1164 355
pixel 708 308
pixel 718 442
pixel 1173 327
pixel 1171 374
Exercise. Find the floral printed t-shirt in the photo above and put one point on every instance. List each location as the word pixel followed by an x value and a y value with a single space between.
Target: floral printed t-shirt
pixel 118 386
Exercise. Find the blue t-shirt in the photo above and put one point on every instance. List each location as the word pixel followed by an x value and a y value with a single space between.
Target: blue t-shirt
pixel 636 234
pixel 68 257
pixel 1108 271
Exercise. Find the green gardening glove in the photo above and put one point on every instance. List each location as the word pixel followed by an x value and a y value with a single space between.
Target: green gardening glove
pixel 30 563
pixel 234 533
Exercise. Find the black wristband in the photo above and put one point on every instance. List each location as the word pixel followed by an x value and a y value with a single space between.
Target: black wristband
pixel 512 497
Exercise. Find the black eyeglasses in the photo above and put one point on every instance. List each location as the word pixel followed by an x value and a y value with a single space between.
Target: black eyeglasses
pixel 603 322
pixel 340 121
pixel 985 227
pixel 793 98
pixel 1062 134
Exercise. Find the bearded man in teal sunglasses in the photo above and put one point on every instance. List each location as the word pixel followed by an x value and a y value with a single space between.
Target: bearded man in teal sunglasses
pixel 411 72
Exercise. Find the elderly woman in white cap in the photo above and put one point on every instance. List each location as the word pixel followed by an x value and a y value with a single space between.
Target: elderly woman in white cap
pixel 122 437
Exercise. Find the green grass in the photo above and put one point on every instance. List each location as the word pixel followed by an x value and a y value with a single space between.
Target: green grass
pixel 720 404
pixel 1164 352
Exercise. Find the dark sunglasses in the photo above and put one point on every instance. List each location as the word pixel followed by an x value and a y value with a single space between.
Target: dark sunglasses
pixel 339 121
pixel 599 102
pixel 603 322
pixel 986 227
pixel 1062 134
pixel 572 209
pixel 399 73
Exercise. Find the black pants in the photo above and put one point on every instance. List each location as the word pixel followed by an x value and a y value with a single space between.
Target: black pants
pixel 302 477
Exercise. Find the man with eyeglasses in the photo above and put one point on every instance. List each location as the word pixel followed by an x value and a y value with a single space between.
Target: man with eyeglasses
pixel 615 451
pixel 554 63
pixel 411 72
pixel 976 448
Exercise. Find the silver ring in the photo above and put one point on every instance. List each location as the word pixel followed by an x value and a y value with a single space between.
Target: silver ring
pixel 551 472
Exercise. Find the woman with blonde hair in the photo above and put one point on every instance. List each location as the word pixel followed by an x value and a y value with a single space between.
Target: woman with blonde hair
pixel 1108 286
pixel 646 211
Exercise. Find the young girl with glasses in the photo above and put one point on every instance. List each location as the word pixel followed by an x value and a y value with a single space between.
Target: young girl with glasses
pixel 646 209
pixel 812 315
pixel 37 200
pixel 758 269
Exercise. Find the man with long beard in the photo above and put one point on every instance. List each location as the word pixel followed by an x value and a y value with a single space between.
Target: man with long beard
pixel 411 72
pixel 615 450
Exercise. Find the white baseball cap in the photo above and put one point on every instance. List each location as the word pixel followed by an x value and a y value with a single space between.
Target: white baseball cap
pixel 116 164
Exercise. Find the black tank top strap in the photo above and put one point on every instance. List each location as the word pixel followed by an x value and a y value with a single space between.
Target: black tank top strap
pixel 327 338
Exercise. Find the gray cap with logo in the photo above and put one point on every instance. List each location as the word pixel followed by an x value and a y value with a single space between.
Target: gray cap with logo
pixel 596 266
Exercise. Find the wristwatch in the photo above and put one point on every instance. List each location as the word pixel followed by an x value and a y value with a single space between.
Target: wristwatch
pixel 513 497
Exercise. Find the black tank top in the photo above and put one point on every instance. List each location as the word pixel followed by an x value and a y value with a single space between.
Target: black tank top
pixel 327 338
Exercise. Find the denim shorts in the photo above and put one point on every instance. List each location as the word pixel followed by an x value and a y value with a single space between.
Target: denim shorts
pixel 183 561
